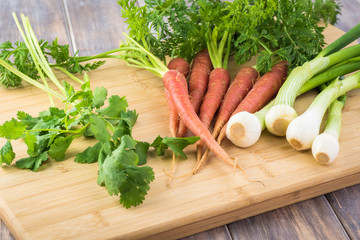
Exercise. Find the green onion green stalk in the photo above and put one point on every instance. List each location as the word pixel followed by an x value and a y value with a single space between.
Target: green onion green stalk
pixel 282 113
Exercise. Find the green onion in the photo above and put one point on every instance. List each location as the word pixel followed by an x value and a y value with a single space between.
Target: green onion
pixel 325 147
pixel 302 131
pixel 282 113
pixel 250 133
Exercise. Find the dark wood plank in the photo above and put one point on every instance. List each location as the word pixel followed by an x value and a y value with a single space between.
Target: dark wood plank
pixel 96 27
pixel 46 18
pixel 311 219
pixel 213 234
pixel 349 16
pixel 346 204
pixel 4 232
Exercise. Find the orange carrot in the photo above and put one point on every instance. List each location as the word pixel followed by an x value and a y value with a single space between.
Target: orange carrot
pixel 263 90
pixel 174 84
pixel 219 81
pixel 239 87
pixel 198 82
pixel 182 66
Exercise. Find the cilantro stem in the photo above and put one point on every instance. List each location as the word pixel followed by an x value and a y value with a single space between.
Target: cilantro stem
pixel 69 74
pixel 30 80
pixel 109 125
pixel 76 131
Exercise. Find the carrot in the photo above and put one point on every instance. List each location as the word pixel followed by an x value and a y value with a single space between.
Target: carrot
pixel 263 90
pixel 240 86
pixel 174 84
pixel 198 82
pixel 182 66
pixel 219 81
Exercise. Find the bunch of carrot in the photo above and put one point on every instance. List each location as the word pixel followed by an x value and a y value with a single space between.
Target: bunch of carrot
pixel 247 92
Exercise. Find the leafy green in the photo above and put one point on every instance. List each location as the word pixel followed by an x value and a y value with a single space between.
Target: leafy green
pixel 12 129
pixel 177 145
pixel 32 163
pixel 7 154
pixel 90 155
pixel 122 176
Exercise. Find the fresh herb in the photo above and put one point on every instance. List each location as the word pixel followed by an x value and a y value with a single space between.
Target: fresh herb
pixel 50 134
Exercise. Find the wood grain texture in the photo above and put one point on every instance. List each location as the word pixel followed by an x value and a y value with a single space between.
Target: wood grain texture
pixel 95 27
pixel 311 219
pixel 346 204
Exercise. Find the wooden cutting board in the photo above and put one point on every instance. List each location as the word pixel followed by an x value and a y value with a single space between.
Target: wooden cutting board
pixel 63 200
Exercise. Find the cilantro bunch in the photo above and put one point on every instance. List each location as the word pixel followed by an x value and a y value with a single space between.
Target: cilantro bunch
pixel 120 157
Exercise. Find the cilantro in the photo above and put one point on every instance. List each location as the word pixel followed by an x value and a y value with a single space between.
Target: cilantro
pixel 50 134
pixel 12 129
pixel 177 145
pixel 7 154
pixel 100 95
pixel 59 146
pixel 122 176
pixel 32 163
pixel 90 155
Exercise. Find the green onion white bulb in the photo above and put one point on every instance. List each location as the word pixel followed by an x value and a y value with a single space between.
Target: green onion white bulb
pixel 325 148
pixel 243 129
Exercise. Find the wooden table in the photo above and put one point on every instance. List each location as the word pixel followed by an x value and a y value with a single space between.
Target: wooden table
pixel 91 27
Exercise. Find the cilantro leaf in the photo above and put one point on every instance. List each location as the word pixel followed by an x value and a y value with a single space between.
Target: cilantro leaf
pixel 12 129
pixel 58 148
pixel 177 145
pixel 32 163
pixel 121 175
pixel 31 142
pixel 7 154
pixel 141 150
pixel 98 128
pixel 116 106
pixel 136 185
pixel 159 146
pixel 89 155
pixel 100 95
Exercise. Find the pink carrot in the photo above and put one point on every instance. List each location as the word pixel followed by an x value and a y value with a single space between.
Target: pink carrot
pixel 174 84
pixel 263 90
pixel 182 66
pixel 198 81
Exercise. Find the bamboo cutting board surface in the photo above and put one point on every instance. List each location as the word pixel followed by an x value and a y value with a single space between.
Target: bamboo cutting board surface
pixel 63 200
